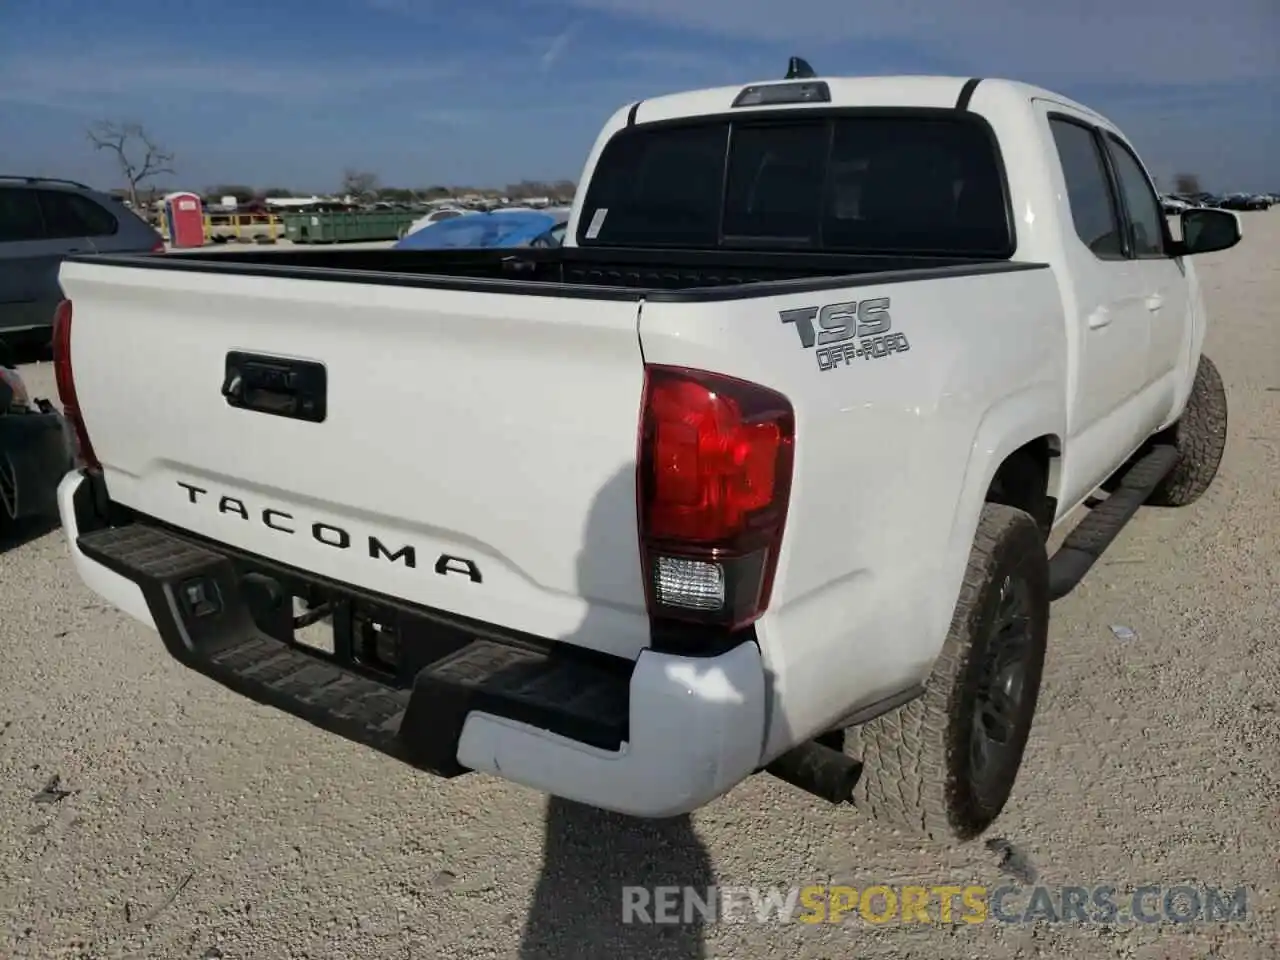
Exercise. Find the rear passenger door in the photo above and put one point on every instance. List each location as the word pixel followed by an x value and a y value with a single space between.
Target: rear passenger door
pixel 1111 322
pixel 1162 279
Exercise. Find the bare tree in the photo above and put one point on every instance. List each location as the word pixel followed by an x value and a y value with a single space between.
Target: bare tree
pixel 1186 183
pixel 140 158
pixel 359 184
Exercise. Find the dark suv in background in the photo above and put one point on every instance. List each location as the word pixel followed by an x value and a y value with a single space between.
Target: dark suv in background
pixel 41 221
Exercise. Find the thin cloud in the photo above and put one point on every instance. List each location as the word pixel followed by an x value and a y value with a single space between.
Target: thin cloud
pixel 488 115
pixel 556 48
pixel 90 79
pixel 1139 40
pixel 482 19
pixel 448 118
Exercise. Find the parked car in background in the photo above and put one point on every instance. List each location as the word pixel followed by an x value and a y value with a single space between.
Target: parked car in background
pixel 435 216
pixel 553 237
pixel 500 228
pixel 41 221
pixel 1201 199
pixel 1244 201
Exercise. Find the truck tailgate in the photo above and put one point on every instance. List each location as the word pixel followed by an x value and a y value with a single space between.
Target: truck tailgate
pixel 477 452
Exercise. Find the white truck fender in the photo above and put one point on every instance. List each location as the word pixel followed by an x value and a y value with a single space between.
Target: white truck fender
pixel 1012 422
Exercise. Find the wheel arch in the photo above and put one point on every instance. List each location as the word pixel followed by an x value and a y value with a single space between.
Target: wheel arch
pixel 1028 479
pixel 1025 427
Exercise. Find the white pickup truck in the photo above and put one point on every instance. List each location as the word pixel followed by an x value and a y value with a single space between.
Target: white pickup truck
pixel 757 472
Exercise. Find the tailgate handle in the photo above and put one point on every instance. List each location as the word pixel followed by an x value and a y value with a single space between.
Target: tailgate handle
pixel 278 386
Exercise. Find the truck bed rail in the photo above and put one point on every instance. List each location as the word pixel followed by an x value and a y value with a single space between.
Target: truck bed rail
pixel 668 275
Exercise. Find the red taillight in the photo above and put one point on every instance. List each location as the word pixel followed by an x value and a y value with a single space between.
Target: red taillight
pixel 67 382
pixel 159 247
pixel 714 480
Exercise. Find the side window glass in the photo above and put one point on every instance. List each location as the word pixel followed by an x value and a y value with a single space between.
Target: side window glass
pixel 20 216
pixel 1146 219
pixel 70 215
pixel 59 216
pixel 1088 189
pixel 99 221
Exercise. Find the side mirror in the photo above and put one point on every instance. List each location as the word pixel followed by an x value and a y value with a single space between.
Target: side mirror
pixel 1207 230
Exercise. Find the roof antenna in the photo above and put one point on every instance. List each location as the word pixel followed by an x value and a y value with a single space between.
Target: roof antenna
pixel 798 69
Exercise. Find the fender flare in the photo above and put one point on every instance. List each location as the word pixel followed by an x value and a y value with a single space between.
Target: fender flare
pixel 1012 422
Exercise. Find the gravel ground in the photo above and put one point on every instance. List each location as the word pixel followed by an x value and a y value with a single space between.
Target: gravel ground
pixel 196 824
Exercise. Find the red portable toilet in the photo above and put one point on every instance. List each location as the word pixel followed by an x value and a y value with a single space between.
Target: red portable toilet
pixel 184 215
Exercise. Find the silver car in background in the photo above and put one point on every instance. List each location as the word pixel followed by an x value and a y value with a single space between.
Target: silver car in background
pixel 43 220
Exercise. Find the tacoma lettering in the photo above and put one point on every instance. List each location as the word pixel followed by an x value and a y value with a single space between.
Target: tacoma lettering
pixel 405 553
pixel 269 515
pixel 331 535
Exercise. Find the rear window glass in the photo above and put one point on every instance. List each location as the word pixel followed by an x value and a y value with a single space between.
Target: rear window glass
pixel 862 184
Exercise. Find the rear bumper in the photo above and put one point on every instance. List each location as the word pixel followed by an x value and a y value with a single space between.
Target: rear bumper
pixel 658 737
pixel 35 452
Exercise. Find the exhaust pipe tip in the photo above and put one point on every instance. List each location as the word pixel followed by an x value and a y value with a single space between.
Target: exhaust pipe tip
pixel 818 769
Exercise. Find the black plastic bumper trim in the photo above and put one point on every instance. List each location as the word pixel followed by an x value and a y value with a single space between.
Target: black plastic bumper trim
pixel 579 694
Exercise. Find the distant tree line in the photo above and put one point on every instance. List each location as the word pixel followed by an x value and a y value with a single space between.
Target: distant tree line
pixel 366 186
pixel 142 160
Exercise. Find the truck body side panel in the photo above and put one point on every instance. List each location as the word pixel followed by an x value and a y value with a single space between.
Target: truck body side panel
pixel 892 464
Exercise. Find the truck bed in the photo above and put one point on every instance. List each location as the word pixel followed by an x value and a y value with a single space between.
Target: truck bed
pixel 459 429
pixel 613 274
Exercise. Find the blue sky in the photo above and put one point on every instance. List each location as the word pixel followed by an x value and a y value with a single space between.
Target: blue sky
pixel 291 92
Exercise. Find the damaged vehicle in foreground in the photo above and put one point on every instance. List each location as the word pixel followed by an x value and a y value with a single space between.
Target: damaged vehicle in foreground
pixel 755 472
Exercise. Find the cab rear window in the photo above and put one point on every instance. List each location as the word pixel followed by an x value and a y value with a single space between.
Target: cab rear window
pixel 910 184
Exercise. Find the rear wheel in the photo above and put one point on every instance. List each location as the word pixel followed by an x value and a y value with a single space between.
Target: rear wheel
pixel 945 764
pixel 1200 437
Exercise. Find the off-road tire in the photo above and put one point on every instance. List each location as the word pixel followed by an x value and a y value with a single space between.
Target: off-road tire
pixel 916 768
pixel 1200 436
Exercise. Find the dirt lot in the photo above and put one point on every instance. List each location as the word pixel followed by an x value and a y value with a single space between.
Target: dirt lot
pixel 195 824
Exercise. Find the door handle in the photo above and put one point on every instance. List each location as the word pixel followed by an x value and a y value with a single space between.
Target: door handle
pixel 1100 317
pixel 1155 302
pixel 276 385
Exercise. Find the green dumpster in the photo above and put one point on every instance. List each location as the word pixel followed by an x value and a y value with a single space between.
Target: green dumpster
pixel 346 227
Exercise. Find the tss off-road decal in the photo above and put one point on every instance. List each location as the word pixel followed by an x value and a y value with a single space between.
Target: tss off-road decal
pixel 847 331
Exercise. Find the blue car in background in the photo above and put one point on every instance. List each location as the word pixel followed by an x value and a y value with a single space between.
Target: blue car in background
pixel 488 230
